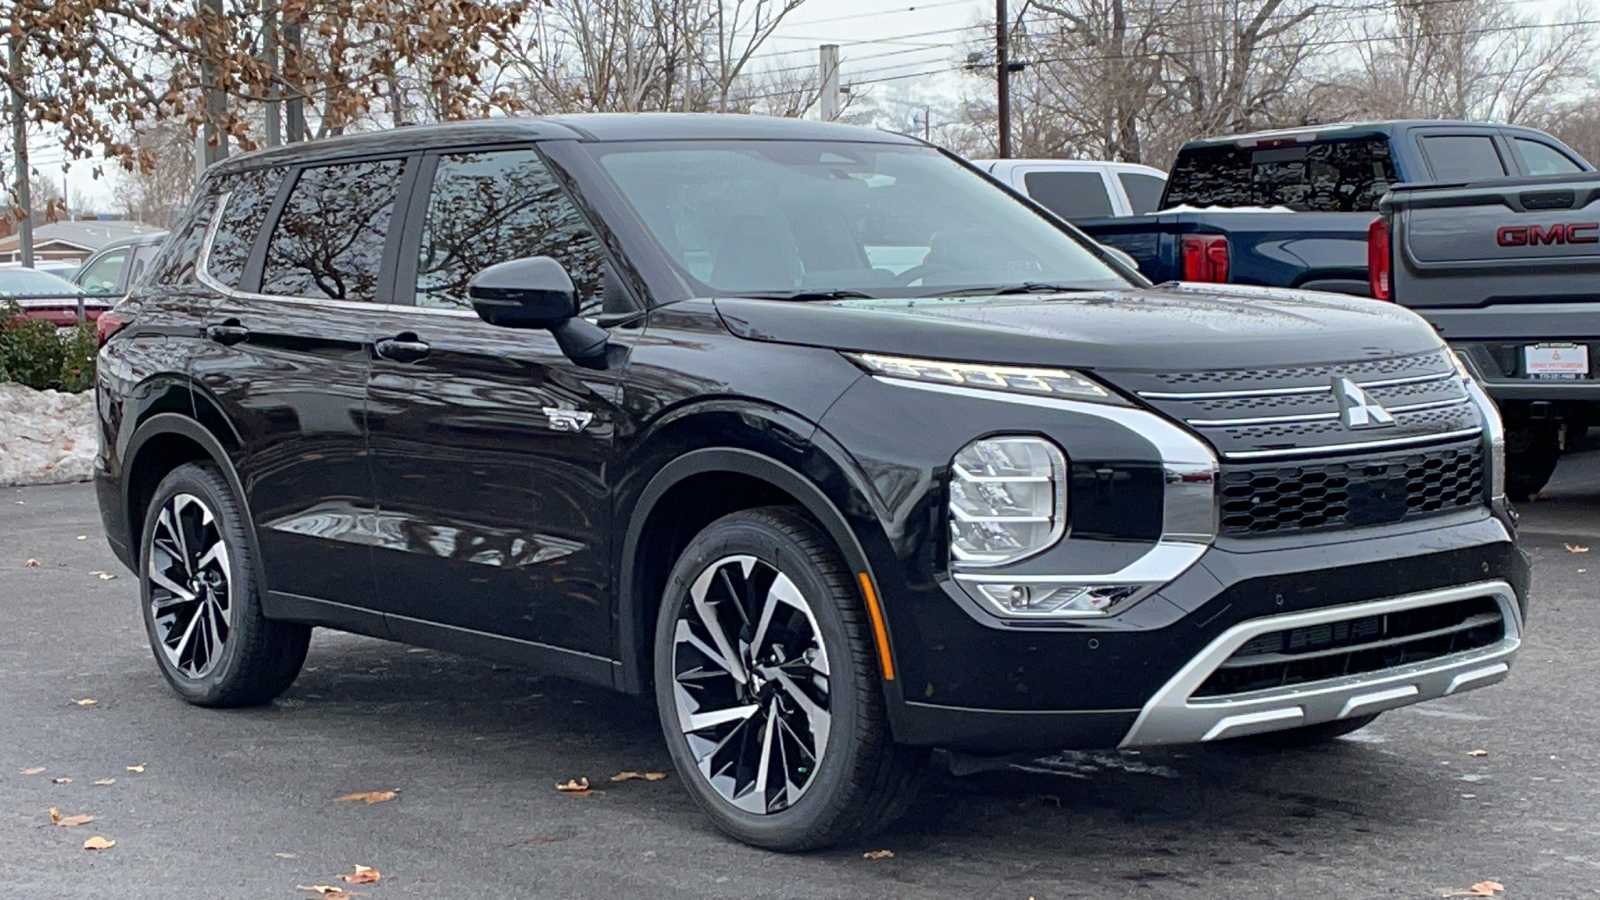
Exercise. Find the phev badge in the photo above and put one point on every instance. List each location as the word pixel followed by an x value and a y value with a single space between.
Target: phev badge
pixel 1357 408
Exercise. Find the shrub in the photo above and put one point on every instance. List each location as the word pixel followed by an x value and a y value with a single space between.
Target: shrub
pixel 35 353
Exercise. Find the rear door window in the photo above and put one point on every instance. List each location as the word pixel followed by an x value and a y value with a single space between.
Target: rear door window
pixel 1144 191
pixel 1070 195
pixel 1540 158
pixel 250 196
pixel 1462 157
pixel 1347 175
pixel 328 241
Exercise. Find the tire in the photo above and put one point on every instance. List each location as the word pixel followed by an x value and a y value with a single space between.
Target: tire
pixel 1532 452
pixel 199 593
pixel 1308 735
pixel 769 578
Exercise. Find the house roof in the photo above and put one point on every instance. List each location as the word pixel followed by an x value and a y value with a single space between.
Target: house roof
pixel 87 236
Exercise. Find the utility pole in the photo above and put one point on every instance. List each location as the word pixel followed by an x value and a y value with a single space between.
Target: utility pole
pixel 1002 53
pixel 296 118
pixel 216 105
pixel 269 40
pixel 829 66
pixel 19 135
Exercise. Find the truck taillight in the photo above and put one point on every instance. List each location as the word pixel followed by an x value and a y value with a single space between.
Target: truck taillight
pixel 1378 259
pixel 1205 258
pixel 108 324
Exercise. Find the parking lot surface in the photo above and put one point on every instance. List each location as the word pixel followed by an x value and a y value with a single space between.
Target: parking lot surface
pixel 243 804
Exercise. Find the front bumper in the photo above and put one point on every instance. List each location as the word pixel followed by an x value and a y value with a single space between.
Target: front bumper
pixel 994 687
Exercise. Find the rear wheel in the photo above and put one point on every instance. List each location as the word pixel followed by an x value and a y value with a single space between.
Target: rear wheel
pixel 1309 735
pixel 1532 452
pixel 767 684
pixel 198 589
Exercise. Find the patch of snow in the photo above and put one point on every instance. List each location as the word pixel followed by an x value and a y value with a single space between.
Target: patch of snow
pixel 46 437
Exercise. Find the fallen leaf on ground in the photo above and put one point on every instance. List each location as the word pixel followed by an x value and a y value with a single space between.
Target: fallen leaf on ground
pixel 368 797
pixel 102 782
pixel 98 843
pixel 575 786
pixel 287 855
pixel 138 768
pixel 1575 548
pixel 33 771
pixel 71 821
pixel 61 781
pixel 55 816
pixel 638 776
pixel 1481 889
pixel 362 875
pixel 321 889
pixel 878 854
pixel 33 564
pixel 1477 753
pixel 83 537
pixel 87 701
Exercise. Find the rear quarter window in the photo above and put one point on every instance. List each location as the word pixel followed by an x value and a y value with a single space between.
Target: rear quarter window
pixel 1462 157
pixel 174 265
pixel 1070 195
pixel 1348 175
pixel 1542 159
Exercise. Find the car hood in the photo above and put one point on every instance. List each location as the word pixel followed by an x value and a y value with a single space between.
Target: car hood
pixel 1171 327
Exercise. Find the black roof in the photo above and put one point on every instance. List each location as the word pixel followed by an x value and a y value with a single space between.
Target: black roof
pixel 602 127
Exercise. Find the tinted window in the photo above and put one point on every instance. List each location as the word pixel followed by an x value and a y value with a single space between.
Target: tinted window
pixel 250 199
pixel 1462 157
pixel 1070 195
pixel 487 208
pixel 142 254
pixel 100 276
pixel 1144 191
pixel 1543 159
pixel 174 265
pixel 328 241
pixel 1326 176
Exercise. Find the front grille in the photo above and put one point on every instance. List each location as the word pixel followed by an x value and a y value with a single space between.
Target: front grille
pixel 1355 646
pixel 1401 366
pixel 1348 493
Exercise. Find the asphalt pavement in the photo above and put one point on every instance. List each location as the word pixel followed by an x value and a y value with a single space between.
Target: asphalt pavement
pixel 242 804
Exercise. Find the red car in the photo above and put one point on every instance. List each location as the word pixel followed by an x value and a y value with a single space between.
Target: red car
pixel 45 296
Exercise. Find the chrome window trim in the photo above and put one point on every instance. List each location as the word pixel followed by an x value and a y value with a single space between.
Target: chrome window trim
pixel 1171 716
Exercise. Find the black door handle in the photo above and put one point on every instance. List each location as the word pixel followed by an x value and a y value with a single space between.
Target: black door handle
pixel 402 348
pixel 227 333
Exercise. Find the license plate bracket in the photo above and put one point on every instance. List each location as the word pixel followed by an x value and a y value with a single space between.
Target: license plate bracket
pixel 1556 361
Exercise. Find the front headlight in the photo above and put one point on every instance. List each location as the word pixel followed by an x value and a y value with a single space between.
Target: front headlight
pixel 1008 500
pixel 1063 383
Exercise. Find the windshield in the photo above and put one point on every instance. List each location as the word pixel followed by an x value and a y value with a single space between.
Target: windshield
pixel 24 282
pixel 783 218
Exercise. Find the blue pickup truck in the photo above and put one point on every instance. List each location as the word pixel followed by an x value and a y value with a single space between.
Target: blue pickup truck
pixel 1293 208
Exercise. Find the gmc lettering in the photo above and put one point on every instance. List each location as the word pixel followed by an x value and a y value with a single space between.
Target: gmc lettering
pixel 1571 233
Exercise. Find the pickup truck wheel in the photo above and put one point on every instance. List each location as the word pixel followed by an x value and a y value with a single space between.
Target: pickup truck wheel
pixel 1531 455
pixel 767 683
pixel 199 595
pixel 1308 735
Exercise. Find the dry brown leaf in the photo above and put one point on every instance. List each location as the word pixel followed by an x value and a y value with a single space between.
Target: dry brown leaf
pixel 33 771
pixel 102 782
pixel 98 843
pixel 878 854
pixel 1477 753
pixel 575 786
pixel 61 781
pixel 367 797
pixel 362 875
pixel 71 821
pixel 55 816
pixel 87 701
pixel 33 564
pixel 1575 548
pixel 1481 889
pixel 638 776
pixel 138 768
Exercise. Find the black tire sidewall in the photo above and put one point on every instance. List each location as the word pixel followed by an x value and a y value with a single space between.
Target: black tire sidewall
pixel 760 536
pixel 206 483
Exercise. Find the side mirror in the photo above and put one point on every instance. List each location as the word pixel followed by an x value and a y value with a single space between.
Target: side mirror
pixel 537 292
pixel 1121 256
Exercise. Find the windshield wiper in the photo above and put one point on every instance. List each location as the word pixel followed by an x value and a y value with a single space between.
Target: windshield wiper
pixel 995 290
pixel 810 295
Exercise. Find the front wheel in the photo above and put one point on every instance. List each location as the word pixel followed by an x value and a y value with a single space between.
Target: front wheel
pixel 767 683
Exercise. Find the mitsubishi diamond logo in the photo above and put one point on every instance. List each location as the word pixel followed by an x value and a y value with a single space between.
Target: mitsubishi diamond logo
pixel 1357 408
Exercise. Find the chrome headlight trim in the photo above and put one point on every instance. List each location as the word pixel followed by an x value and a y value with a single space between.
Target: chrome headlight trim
pixel 1055 477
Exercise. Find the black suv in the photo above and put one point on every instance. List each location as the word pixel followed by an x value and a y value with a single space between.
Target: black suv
pixel 833 444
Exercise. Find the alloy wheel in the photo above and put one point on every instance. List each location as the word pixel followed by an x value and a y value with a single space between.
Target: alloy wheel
pixel 190 586
pixel 751 684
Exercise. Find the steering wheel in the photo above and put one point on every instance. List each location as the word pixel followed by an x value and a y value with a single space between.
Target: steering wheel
pixel 920 272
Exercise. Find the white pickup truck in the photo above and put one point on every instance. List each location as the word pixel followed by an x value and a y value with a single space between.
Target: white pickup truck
pixel 1082 189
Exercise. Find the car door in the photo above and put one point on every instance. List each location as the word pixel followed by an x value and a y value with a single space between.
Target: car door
pixel 287 364
pixel 489 446
pixel 1070 193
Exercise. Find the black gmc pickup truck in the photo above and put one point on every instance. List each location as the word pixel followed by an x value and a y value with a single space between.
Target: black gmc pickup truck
pixel 818 437
pixel 1509 274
